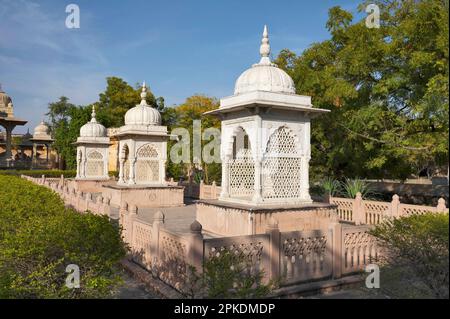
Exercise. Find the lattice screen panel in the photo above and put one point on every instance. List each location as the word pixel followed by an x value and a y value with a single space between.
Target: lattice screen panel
pixel 147 170
pixel 281 166
pixel 147 165
pixel 282 142
pixel 281 177
pixel 94 164
pixel 147 151
pixel 242 174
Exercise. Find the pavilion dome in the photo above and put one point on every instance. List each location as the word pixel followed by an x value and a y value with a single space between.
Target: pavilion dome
pixel 265 75
pixel 93 128
pixel 41 129
pixel 5 100
pixel 143 114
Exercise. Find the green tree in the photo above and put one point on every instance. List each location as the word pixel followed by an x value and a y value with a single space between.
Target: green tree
pixel 118 98
pixel 66 119
pixel 183 115
pixel 387 89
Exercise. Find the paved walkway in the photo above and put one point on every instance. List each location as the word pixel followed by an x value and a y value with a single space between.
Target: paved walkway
pixel 356 293
pixel 133 289
pixel 176 219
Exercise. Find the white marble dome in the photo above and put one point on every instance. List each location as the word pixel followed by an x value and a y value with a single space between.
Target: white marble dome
pixel 143 114
pixel 93 128
pixel 5 100
pixel 41 129
pixel 265 75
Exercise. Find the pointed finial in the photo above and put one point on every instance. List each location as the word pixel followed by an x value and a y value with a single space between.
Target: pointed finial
pixel 144 94
pixel 264 49
pixel 93 119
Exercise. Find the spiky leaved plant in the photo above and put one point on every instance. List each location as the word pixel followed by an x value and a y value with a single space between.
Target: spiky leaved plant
pixel 353 186
pixel 331 186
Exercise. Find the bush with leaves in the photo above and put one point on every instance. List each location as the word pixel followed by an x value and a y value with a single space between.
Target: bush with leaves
pixel 38 173
pixel 418 245
pixel 52 173
pixel 226 276
pixel 39 238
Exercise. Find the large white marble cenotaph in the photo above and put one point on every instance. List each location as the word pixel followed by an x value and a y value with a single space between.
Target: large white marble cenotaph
pixel 142 159
pixel 265 153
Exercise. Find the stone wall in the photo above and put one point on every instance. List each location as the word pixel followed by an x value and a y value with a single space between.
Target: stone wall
pixel 332 250
pixel 360 211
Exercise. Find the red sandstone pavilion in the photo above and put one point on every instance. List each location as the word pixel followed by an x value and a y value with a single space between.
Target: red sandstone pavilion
pixel 262 212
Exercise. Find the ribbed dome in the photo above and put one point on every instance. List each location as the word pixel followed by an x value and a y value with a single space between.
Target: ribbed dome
pixel 6 106
pixel 93 128
pixel 4 99
pixel 41 129
pixel 143 114
pixel 265 75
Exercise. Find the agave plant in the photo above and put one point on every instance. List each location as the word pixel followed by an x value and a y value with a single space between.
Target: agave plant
pixel 353 186
pixel 331 186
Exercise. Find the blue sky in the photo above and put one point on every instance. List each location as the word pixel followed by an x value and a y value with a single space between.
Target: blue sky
pixel 178 47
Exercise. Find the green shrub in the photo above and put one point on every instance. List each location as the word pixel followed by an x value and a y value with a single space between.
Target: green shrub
pixel 418 245
pixel 54 173
pixel 38 173
pixel 39 238
pixel 226 276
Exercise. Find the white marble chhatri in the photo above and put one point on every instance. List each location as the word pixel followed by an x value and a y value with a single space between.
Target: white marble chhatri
pixel 92 151
pixel 265 137
pixel 142 146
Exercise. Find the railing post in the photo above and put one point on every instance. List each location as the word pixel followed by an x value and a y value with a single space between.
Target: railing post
pixel 158 221
pixel 274 249
pixel 107 207
pixel 88 201
pixel 395 206
pixel 132 215
pixel 99 208
pixel 441 206
pixel 79 200
pixel 214 190
pixel 336 251
pixel 195 252
pixel 201 189
pixel 358 210
pixel 122 212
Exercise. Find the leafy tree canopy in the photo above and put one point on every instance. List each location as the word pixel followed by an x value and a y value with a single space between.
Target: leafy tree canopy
pixel 183 115
pixel 66 119
pixel 387 89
